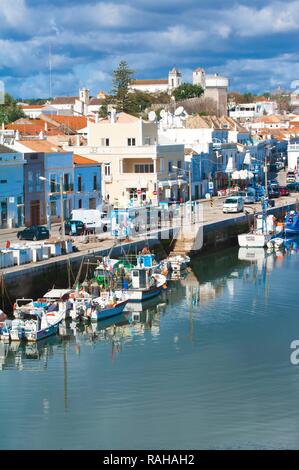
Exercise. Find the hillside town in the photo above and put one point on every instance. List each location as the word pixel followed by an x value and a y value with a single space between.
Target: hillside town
pixel 128 160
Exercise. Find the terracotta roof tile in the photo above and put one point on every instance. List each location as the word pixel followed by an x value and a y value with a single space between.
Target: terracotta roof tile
pixel 41 146
pixel 150 82
pixel 72 122
pixel 64 100
pixel 80 160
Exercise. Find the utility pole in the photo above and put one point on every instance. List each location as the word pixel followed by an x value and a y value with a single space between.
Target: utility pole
pixel 266 171
pixel 62 207
pixel 190 193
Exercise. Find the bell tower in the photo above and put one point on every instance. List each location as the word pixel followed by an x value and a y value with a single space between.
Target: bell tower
pixel 174 78
pixel 199 77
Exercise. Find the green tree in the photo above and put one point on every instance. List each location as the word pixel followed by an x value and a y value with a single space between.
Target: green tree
pixel 139 101
pixel 187 90
pixel 122 78
pixel 9 111
pixel 103 110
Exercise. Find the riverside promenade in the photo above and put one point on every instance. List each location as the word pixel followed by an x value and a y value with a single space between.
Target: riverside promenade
pixel 213 228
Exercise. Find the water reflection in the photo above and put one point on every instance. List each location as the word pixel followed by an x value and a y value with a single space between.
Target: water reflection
pixel 219 338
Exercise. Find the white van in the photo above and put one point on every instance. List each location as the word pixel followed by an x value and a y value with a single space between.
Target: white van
pixel 94 220
pixel 233 204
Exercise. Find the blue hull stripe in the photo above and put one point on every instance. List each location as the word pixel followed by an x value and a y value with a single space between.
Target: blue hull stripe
pixel 52 330
pixel 111 312
pixel 147 295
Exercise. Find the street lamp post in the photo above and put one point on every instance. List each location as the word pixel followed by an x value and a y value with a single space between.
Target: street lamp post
pixel 267 153
pixel 190 186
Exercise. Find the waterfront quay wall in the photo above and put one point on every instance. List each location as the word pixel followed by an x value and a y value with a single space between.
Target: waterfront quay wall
pixel 33 280
pixel 224 232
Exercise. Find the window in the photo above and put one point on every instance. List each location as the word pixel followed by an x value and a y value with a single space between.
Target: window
pixel 52 184
pixel 95 183
pixel 105 142
pixel 80 204
pixel 131 142
pixel 147 141
pixel 79 184
pixel 107 169
pixel 144 168
pixel 3 181
pixel 30 181
pixel 169 167
pixel 37 181
pixel 66 180
pixel 162 167
pixel 179 162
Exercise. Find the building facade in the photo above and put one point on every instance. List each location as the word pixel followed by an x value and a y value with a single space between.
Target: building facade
pixel 11 188
pixel 87 183
pixel 135 168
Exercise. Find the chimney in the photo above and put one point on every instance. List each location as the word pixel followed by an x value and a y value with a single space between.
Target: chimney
pixel 113 116
pixel 96 118
pixel 46 127
pixel 41 135
pixel 17 135
pixel 78 140
pixel 3 126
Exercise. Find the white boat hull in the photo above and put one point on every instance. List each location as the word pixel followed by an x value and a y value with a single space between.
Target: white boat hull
pixel 253 240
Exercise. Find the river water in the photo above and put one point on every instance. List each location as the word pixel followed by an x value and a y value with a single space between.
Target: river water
pixel 206 366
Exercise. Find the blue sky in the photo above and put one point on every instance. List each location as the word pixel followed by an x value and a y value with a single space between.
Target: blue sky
pixel 253 43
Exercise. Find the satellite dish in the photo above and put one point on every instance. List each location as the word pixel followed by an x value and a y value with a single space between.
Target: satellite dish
pixel 162 113
pixel 152 116
pixel 179 111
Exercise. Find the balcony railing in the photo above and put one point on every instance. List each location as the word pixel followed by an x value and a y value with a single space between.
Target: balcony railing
pixel 67 188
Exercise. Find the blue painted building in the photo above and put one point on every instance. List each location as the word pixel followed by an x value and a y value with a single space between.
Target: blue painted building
pixel 87 183
pixel 11 188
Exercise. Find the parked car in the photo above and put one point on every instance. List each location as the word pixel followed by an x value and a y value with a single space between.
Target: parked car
pixel 233 204
pixel 293 187
pixel 248 195
pixel 273 192
pixel 73 227
pixel 35 232
pixel 283 191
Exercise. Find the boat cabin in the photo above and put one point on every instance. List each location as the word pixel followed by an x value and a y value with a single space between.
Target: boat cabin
pixel 141 278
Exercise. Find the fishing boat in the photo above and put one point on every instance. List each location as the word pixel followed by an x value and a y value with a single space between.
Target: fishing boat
pixel 175 266
pixel 110 268
pixel 37 319
pixel 291 226
pixel 264 231
pixel 44 325
pixel 108 305
pixel 5 331
pixel 17 330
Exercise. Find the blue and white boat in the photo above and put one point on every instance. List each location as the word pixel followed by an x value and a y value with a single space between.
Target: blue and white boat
pixel 291 226
pixel 36 320
pixel 108 307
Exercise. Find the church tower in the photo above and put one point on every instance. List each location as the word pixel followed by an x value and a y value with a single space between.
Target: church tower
pixel 174 78
pixel 84 95
pixel 199 77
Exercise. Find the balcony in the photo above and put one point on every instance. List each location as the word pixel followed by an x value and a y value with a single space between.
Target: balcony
pixel 127 152
pixel 67 188
pixel 293 147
